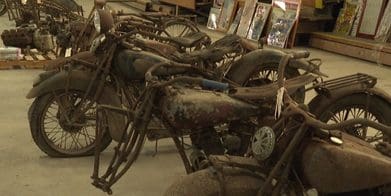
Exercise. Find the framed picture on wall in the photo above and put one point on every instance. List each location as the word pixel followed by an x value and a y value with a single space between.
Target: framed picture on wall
pixel 384 29
pixel 370 19
pixel 280 32
pixel 259 20
pixel 245 21
pixel 284 9
pixel 227 12
pixel 344 23
pixel 213 19
pixel 235 23
pixel 218 3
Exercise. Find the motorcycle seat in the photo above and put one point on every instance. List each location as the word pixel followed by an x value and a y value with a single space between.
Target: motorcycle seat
pixel 269 91
pixel 190 40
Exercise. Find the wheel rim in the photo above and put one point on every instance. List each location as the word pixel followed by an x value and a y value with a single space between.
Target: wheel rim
pixel 370 135
pixel 269 75
pixel 60 135
pixel 178 30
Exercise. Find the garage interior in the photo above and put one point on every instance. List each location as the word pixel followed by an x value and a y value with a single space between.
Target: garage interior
pixel 26 170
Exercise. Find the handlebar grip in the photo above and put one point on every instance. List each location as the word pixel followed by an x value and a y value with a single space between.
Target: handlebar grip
pixel 300 54
pixel 214 85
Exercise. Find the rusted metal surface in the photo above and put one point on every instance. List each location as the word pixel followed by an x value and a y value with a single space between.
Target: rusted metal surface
pixel 189 109
pixel 355 165
pixel 228 181
pixel 330 161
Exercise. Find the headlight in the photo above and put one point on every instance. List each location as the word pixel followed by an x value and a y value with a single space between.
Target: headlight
pixel 97 21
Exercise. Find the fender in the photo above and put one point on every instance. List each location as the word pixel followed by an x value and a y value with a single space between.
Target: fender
pixel 85 58
pixel 79 80
pixel 242 69
pixel 315 104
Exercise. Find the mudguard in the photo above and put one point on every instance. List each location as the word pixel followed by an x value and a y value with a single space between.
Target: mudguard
pixel 321 100
pixel 242 69
pixel 352 166
pixel 79 80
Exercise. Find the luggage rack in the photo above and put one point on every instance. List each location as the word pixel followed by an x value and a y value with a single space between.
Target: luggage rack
pixel 359 80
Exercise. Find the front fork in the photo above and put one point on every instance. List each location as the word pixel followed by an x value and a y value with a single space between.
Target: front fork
pixel 127 150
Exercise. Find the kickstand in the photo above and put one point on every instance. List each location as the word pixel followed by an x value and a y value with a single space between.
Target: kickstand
pixel 155 153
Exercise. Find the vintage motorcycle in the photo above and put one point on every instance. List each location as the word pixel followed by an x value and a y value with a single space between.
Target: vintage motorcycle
pixel 117 68
pixel 155 25
pixel 62 116
pixel 200 107
pixel 296 154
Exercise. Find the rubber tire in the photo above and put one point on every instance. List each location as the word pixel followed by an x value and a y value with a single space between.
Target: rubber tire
pixel 321 105
pixel 35 114
pixel 205 183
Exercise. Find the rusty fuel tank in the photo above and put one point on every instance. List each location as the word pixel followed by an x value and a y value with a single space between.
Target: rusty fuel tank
pixel 354 165
pixel 188 108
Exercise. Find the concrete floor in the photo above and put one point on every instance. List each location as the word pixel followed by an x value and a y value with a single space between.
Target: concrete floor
pixel 25 170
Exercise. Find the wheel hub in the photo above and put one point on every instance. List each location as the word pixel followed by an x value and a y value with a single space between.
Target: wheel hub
pixel 75 125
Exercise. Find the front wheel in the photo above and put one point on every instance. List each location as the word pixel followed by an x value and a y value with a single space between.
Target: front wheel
pixel 360 105
pixel 49 118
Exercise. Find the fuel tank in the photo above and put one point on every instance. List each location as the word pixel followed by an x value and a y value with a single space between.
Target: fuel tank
pixel 354 165
pixel 133 64
pixel 187 108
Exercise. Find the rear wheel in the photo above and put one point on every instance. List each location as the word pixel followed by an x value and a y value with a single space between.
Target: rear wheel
pixel 360 105
pixel 49 117
pixel 175 28
pixel 269 73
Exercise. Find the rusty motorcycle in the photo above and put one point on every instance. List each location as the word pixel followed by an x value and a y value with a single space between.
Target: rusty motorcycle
pixel 113 73
pixel 153 25
pixel 296 154
pixel 192 105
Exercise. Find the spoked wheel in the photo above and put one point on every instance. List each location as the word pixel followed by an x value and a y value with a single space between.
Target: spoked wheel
pixel 3 7
pixel 176 28
pixel 269 73
pixel 357 106
pixel 54 131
